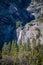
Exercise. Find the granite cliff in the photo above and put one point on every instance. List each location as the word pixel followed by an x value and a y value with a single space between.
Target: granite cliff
pixel 32 29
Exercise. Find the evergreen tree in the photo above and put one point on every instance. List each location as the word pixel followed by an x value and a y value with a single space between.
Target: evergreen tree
pixel 8 48
pixel 13 52
pixel 4 49
pixel 21 48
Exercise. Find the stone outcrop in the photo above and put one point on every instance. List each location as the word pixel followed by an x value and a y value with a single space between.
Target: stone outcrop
pixel 30 31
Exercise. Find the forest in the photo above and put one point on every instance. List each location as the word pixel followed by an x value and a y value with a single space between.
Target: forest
pixel 22 54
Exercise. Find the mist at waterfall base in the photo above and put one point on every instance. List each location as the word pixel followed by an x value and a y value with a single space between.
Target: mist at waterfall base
pixel 10 13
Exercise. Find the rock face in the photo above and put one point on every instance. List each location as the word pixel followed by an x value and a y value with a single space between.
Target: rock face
pixel 27 32
pixel 30 31
pixel 12 11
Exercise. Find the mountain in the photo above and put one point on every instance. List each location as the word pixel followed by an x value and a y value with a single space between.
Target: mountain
pixel 12 11
pixel 32 29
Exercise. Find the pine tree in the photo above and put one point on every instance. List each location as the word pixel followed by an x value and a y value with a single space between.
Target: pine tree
pixel 8 48
pixel 21 48
pixel 4 49
pixel 13 52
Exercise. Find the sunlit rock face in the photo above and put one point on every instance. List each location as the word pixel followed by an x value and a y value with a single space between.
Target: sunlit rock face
pixel 30 31
pixel 35 8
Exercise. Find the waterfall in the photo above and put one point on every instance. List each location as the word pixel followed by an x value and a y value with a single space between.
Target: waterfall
pixel 19 38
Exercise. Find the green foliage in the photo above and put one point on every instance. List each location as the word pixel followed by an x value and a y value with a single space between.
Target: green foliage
pixel 18 24
pixel 22 54
pixel 7 60
pixel 8 47
pixel 21 48
pixel 4 49
pixel 13 51
pixel 40 17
